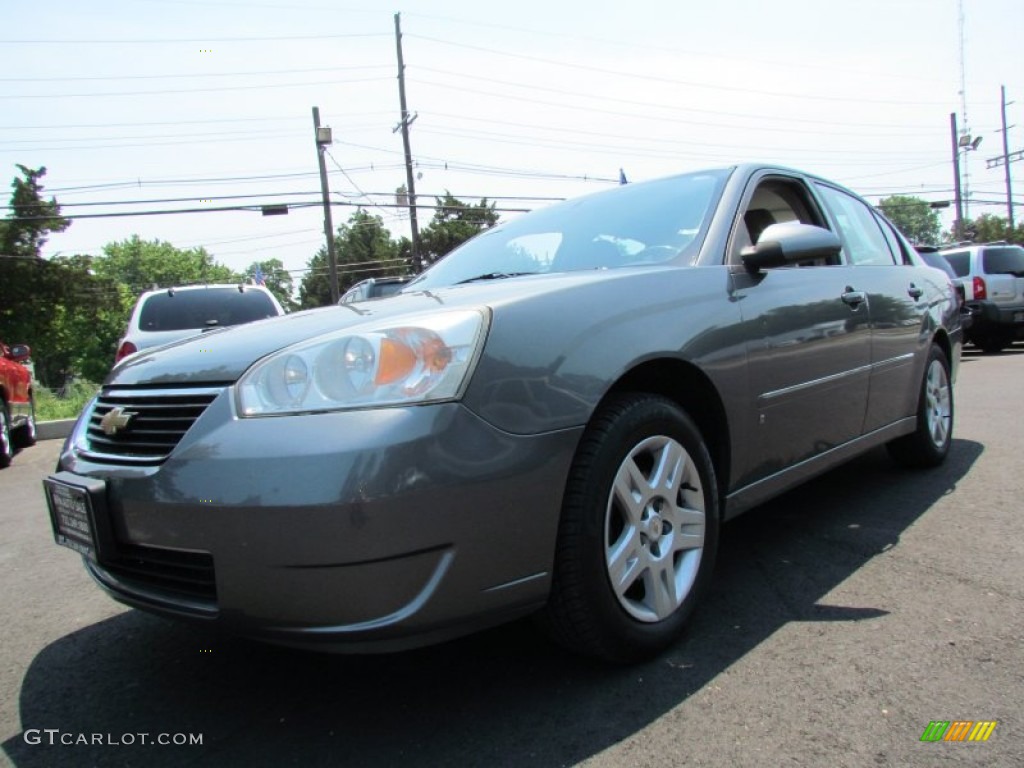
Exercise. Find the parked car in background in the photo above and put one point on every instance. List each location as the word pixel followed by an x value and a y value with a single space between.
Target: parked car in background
pixel 373 288
pixel 556 417
pixel 171 314
pixel 930 255
pixel 17 404
pixel 992 275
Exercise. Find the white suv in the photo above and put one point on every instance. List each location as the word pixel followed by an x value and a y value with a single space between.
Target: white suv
pixel 171 314
pixel 993 279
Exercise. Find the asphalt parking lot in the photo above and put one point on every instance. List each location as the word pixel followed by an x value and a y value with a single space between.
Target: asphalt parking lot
pixel 845 617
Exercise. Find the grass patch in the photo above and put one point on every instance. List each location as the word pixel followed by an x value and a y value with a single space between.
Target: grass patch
pixel 50 407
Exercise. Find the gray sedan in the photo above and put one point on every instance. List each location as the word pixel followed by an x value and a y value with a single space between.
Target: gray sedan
pixel 554 419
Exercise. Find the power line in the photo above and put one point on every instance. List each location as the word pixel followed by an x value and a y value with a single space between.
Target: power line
pixel 597 110
pixel 759 118
pixel 221 209
pixel 604 98
pixel 262 86
pixel 169 40
pixel 65 78
pixel 649 77
pixel 135 124
pixel 175 199
pixel 650 151
pixel 647 48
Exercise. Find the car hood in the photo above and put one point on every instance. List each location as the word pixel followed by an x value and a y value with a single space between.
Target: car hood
pixel 222 356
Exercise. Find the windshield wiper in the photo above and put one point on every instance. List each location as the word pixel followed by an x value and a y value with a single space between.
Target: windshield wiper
pixel 494 276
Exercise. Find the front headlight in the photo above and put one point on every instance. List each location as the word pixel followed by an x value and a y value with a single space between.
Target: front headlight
pixel 420 359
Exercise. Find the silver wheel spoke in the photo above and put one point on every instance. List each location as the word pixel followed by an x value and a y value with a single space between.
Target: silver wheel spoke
pixel 688 527
pixel 668 472
pixel 660 584
pixel 626 561
pixel 631 491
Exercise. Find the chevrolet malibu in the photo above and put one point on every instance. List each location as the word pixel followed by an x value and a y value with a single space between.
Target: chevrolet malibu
pixel 554 419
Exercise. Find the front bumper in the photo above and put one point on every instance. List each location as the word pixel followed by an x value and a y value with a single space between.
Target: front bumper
pixel 361 530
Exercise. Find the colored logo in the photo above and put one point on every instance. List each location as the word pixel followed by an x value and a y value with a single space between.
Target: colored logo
pixel 958 730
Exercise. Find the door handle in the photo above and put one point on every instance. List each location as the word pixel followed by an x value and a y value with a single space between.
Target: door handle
pixel 915 292
pixel 854 298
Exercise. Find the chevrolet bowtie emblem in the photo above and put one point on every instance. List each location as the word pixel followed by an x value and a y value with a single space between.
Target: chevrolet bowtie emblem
pixel 115 420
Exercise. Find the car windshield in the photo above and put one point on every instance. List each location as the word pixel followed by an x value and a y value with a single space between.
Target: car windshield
pixel 207 308
pixel 1008 260
pixel 631 225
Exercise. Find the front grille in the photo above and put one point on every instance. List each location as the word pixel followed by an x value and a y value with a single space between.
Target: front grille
pixel 170 575
pixel 148 425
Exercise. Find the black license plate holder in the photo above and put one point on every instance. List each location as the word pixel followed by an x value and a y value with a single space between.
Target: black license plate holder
pixel 78 513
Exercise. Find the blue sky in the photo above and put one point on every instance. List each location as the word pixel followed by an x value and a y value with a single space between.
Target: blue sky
pixel 169 99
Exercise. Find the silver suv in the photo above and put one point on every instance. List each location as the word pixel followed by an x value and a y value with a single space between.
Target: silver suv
pixel 171 314
pixel 993 280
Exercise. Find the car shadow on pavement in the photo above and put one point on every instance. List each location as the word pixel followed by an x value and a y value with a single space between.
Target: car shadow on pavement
pixel 502 697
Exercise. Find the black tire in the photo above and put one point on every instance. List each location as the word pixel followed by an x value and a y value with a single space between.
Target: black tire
pixel 928 445
pixel 25 436
pixel 674 539
pixel 6 444
pixel 994 343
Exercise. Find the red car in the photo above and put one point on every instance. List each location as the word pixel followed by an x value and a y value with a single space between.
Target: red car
pixel 17 409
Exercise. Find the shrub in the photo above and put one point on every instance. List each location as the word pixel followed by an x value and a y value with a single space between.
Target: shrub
pixel 51 406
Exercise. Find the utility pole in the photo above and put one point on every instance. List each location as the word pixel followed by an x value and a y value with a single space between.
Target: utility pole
pixel 1005 159
pixel 404 126
pixel 323 139
pixel 959 222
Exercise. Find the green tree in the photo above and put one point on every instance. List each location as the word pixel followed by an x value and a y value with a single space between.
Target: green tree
pixel 277 279
pixel 453 224
pixel 24 232
pixel 39 294
pixel 142 264
pixel 364 248
pixel 914 217
pixel 987 228
pixel 70 317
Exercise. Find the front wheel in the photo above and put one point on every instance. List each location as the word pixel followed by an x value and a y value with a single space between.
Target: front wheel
pixel 928 445
pixel 639 530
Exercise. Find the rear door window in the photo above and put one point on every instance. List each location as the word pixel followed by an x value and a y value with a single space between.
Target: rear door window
pixel 1008 260
pixel 863 240
pixel 960 261
pixel 184 310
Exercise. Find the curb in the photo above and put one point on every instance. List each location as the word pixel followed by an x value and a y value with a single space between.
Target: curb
pixel 54 430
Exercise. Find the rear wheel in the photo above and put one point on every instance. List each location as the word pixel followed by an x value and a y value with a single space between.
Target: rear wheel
pixel 928 445
pixel 638 534
pixel 26 434
pixel 994 343
pixel 6 446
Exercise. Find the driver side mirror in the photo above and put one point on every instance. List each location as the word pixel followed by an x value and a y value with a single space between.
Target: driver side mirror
pixel 789 243
pixel 20 353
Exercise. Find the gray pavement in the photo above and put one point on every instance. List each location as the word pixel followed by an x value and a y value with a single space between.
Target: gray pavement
pixel 845 617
